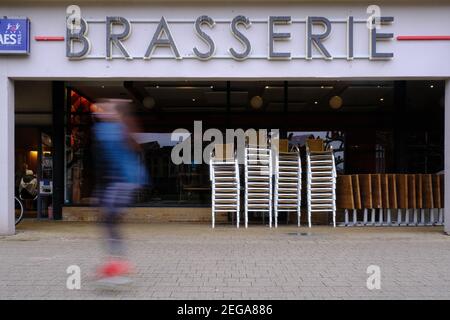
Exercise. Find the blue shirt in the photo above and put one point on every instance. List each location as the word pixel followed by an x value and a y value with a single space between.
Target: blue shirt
pixel 116 161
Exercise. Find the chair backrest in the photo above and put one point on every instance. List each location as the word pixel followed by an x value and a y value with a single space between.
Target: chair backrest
pixel 223 152
pixel 283 144
pixel 344 192
pixel 260 140
pixel 377 193
pixel 315 144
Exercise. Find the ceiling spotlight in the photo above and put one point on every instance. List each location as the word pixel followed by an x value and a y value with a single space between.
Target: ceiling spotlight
pixel 267 87
pixel 212 87
pixel 256 102
pixel 193 99
pixel 381 99
pixel 431 86
pixel 321 87
pixel 148 102
pixel 335 102
pixel 103 87
pixel 157 87
pixel 315 102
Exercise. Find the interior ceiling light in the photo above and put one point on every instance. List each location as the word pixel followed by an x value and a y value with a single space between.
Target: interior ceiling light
pixel 431 86
pixel 256 102
pixel 335 102
pixel 148 102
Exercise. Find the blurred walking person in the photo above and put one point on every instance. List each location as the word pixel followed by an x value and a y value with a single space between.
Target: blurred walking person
pixel 119 173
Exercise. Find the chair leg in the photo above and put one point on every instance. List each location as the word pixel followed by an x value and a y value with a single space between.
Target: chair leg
pixel 334 218
pixel 346 217
pixel 407 221
pixel 309 219
pixel 270 218
pixel 276 217
pixel 422 217
pixel 389 217
pixel 246 218
pixel 372 216
pixel 440 216
pixel 432 221
pixel 380 218
pixel 399 217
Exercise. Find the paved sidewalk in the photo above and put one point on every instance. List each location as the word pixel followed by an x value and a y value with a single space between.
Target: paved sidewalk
pixel 192 261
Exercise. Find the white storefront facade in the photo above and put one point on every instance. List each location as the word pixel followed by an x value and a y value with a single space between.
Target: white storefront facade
pixel 213 41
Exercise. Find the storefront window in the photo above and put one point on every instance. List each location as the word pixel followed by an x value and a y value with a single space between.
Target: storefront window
pixel 373 127
pixel 169 184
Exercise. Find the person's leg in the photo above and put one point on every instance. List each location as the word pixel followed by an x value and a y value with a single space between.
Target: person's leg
pixel 118 195
pixel 112 211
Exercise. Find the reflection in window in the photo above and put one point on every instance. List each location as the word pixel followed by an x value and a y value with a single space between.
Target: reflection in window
pixel 334 139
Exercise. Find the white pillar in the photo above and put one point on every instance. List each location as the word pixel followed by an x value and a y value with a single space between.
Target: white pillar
pixel 6 156
pixel 447 158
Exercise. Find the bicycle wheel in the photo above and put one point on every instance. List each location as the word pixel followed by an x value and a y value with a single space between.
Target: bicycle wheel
pixel 18 210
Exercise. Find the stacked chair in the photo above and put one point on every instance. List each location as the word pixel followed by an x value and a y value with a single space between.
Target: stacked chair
pixel 344 197
pixel 365 185
pixel 401 199
pixel 258 180
pixel 321 179
pixel 224 175
pixel 287 181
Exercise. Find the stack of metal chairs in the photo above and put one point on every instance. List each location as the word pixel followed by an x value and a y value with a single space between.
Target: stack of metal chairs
pixel 258 180
pixel 287 182
pixel 273 181
pixel 224 175
pixel 321 179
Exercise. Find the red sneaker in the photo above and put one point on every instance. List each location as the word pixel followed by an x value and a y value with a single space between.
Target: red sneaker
pixel 115 268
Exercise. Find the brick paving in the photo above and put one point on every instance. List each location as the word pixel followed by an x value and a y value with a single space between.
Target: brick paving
pixel 192 261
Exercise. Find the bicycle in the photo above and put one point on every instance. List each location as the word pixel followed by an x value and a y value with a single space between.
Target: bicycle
pixel 27 191
pixel 18 210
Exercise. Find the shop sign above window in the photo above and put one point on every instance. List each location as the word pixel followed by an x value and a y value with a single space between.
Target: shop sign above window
pixel 14 35
pixel 279 31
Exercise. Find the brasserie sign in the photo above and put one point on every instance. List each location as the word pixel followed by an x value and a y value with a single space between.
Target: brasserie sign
pixel 78 42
